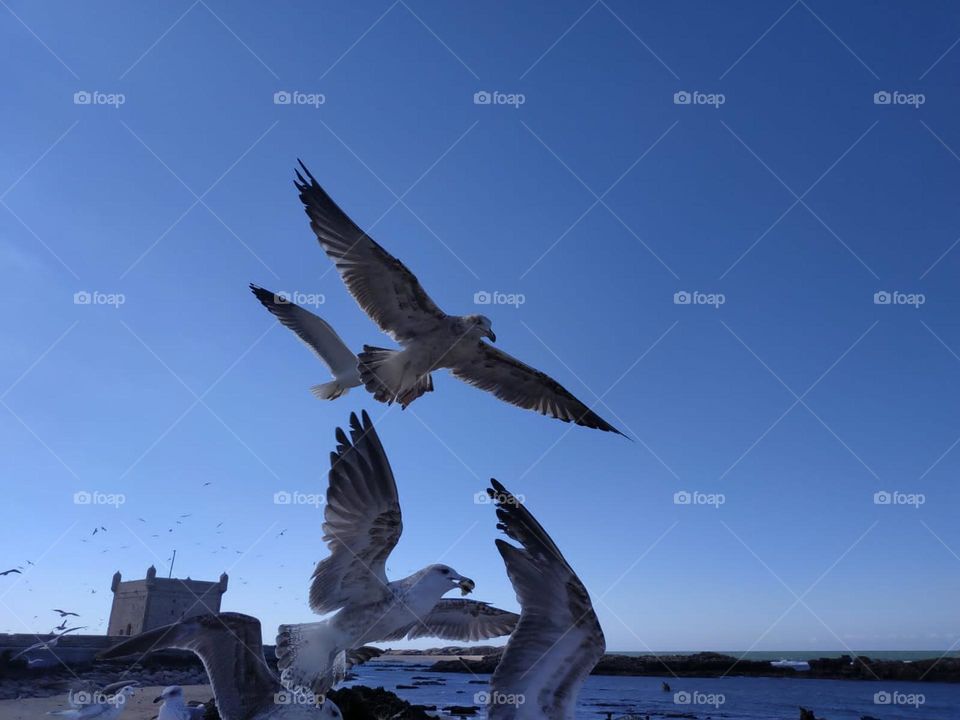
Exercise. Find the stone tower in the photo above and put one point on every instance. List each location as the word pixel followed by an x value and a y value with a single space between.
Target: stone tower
pixel 140 605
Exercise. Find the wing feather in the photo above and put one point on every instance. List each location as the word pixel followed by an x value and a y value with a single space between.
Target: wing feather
pixel 382 285
pixel 362 521
pixel 230 647
pixel 517 383
pixel 460 619
pixel 558 639
pixel 313 330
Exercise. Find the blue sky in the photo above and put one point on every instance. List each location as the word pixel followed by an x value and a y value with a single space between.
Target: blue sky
pixel 783 189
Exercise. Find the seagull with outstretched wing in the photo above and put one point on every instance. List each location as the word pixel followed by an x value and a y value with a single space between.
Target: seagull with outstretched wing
pixel 362 524
pixel 316 334
pixel 230 647
pixel 558 640
pixel 429 338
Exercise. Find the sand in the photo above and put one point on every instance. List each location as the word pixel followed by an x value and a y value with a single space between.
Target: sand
pixel 138 707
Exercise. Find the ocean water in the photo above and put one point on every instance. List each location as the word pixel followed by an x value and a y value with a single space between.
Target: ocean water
pixel 732 698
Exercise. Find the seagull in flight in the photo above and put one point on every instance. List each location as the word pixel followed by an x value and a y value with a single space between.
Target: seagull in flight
pixel 230 647
pixel 65 613
pixel 558 640
pixel 430 339
pixel 11 570
pixel 362 525
pixel 48 644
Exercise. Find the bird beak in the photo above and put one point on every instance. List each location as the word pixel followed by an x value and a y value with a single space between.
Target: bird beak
pixel 158 699
pixel 492 335
pixel 466 585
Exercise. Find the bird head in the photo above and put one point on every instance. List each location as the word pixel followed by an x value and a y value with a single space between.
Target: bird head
pixel 447 578
pixel 483 325
pixel 171 693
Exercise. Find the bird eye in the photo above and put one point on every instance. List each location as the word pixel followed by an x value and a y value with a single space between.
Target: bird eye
pixel 445 571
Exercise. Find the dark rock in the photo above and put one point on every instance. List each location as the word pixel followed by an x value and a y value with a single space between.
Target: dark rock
pixel 363 703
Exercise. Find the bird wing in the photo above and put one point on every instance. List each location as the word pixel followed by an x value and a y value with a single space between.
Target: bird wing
pixel 517 383
pixel 362 521
pixel 230 647
pixel 460 619
pixel 382 285
pixel 558 639
pixel 312 330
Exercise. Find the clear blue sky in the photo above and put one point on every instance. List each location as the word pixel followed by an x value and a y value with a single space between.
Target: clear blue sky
pixel 183 194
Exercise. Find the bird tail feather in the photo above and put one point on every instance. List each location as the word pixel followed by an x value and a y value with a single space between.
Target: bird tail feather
pixel 309 657
pixel 330 390
pixel 386 375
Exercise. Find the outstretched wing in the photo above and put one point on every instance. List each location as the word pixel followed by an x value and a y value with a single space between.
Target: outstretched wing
pixel 383 286
pixel 313 330
pixel 558 639
pixel 230 648
pixel 462 620
pixel 362 521
pixel 517 383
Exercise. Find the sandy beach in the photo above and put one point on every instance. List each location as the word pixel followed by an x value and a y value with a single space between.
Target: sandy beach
pixel 139 707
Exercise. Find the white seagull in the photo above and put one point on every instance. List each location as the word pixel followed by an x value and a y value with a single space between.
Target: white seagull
pixel 230 648
pixel 362 524
pixel 558 640
pixel 174 706
pixel 317 335
pixel 104 703
pixel 393 298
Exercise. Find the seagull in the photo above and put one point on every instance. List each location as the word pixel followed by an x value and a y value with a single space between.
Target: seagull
pixel 102 703
pixel 176 708
pixel 362 524
pixel 11 570
pixel 393 298
pixel 229 646
pixel 48 644
pixel 317 334
pixel 558 639
pixel 65 613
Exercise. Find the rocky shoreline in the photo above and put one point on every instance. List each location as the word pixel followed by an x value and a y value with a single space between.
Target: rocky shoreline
pixel 708 664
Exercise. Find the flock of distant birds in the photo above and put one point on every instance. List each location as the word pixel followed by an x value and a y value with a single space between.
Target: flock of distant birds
pixel 556 639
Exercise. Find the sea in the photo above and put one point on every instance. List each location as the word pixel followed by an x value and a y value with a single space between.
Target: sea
pixel 730 698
